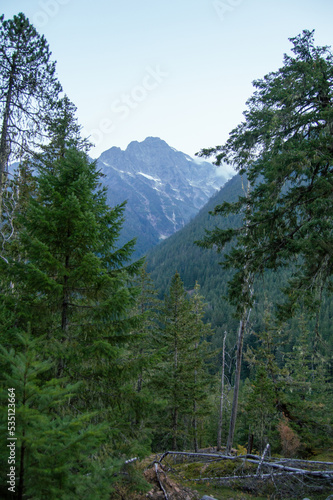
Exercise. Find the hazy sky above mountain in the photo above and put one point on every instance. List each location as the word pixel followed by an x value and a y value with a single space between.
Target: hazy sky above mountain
pixel 177 69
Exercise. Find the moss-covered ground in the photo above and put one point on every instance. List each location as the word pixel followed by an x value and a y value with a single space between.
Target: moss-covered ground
pixel 202 477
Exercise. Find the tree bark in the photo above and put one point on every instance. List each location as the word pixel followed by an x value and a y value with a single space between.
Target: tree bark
pixel 174 428
pixel 4 146
pixel 175 410
pixel 195 420
pixel 64 315
pixel 247 287
pixel 195 426
pixel 233 417
pixel 250 443
pixel 219 432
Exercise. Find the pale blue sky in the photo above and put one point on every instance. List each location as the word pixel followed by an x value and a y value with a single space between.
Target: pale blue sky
pixel 180 70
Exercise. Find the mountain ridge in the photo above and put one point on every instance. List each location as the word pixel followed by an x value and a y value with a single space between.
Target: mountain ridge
pixel 164 188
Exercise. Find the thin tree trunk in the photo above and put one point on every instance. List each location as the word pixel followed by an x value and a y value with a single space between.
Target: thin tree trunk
pixel 241 332
pixel 4 149
pixel 195 408
pixel 219 432
pixel 195 423
pixel 233 417
pixel 140 377
pixel 4 146
pixel 249 442
pixel 175 410
pixel 64 316
pixel 175 428
pixel 247 287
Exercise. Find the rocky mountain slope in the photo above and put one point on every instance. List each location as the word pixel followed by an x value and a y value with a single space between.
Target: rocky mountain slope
pixel 164 188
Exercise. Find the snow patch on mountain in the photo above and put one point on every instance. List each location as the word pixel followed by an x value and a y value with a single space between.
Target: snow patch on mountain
pixel 149 177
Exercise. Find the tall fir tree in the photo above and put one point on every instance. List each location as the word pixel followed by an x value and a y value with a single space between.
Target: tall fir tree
pixel 73 284
pixel 181 379
pixel 199 355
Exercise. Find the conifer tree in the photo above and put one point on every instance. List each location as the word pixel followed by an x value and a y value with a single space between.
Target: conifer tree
pixel 28 88
pixel 171 376
pixel 198 357
pixel 290 385
pixel 181 379
pixel 284 147
pixel 73 284
pixel 260 410
pixel 263 394
pixel 307 390
pixel 139 360
pixel 148 306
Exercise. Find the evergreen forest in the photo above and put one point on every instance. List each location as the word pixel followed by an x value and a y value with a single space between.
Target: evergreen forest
pixel 219 339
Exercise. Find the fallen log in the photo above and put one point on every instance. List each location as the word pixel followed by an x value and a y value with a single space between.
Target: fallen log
pixel 285 469
pixel 219 456
pixel 263 476
pixel 193 454
pixel 160 483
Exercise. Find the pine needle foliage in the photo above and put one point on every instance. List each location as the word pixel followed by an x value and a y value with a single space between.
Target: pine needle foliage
pixel 52 446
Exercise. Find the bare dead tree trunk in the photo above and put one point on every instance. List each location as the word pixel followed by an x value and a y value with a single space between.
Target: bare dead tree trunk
pixel 233 417
pixel 4 144
pixel 247 289
pixel 219 432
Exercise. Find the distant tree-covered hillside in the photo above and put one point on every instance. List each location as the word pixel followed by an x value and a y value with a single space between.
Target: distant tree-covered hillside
pixel 180 253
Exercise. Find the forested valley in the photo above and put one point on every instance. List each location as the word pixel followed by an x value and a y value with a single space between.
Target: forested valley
pixel 217 344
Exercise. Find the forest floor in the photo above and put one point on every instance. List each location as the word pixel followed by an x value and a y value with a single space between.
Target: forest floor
pixel 190 478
